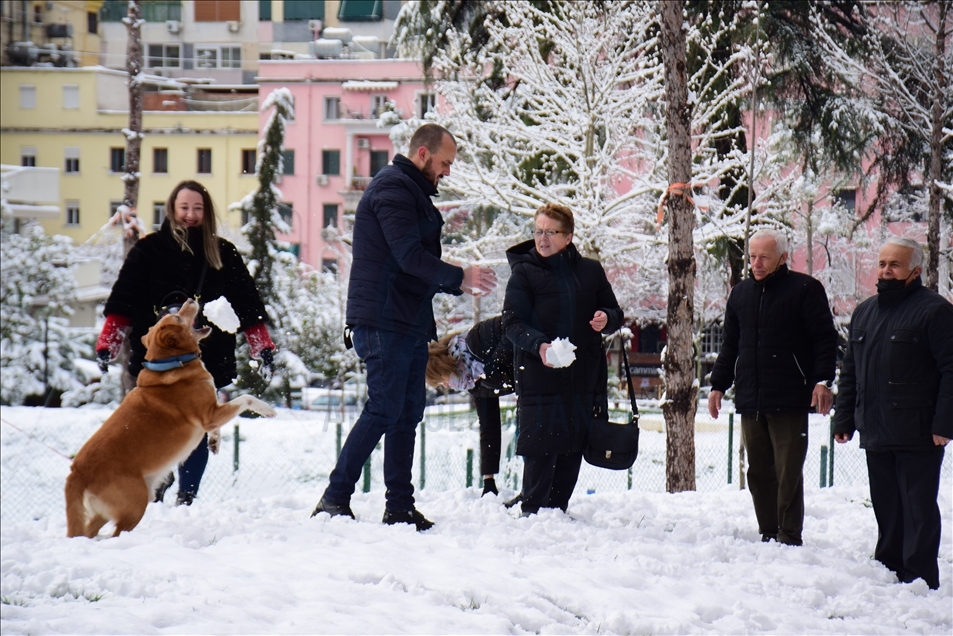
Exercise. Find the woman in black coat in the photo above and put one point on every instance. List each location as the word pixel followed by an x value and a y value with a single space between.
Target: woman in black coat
pixel 478 360
pixel 554 292
pixel 185 258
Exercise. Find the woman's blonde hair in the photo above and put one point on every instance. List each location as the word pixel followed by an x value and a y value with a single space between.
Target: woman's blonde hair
pixel 209 233
pixel 440 365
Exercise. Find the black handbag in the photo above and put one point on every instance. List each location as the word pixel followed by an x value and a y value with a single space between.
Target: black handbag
pixel 614 445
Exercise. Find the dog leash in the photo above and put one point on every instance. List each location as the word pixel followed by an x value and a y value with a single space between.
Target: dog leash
pixel 36 440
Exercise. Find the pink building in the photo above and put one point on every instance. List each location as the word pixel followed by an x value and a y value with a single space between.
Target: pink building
pixel 335 146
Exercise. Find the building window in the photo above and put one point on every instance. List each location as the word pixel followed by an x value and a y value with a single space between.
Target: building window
pixel 288 162
pixel 158 214
pixel 28 156
pixel 332 107
pixel 204 161
pixel 264 10
pixel 218 10
pixel 117 159
pixel 847 198
pixel 330 215
pixel 304 10
pixel 72 213
pixel 114 208
pixel 286 212
pixel 27 96
pixel 378 104
pixel 70 96
pixel 331 162
pixel 379 160
pixel 426 102
pixel 712 338
pixel 650 339
pixel 218 56
pixel 152 11
pixel 329 266
pixel 248 161
pixel 71 154
pixel 163 56
pixel 92 22
pixel 160 160
pixel 361 11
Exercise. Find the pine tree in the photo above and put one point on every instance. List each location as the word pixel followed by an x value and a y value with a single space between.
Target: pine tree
pixel 37 348
pixel 268 264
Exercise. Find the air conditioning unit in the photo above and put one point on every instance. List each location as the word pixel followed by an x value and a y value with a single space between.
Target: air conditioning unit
pixel 233 25
pixel 315 26
pixel 173 26
pixel 322 180
pixel 363 143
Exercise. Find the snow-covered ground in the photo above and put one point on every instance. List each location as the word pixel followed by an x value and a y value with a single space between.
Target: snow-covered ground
pixel 626 562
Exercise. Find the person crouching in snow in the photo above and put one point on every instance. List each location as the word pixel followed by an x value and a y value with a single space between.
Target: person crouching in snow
pixel 478 360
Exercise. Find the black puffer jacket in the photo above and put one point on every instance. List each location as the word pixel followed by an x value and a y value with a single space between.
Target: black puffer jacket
pixel 490 345
pixel 896 383
pixel 549 298
pixel 156 266
pixel 396 269
pixel 779 343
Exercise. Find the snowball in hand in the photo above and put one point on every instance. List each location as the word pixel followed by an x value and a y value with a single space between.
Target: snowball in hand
pixel 560 354
pixel 220 313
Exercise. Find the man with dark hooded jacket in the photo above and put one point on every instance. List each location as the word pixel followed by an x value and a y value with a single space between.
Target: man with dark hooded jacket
pixel 395 273
pixel 896 388
pixel 779 350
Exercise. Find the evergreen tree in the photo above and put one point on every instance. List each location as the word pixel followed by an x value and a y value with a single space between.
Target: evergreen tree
pixel 37 348
pixel 270 264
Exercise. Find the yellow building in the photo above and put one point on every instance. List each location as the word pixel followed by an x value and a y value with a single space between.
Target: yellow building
pixel 73 119
pixel 62 32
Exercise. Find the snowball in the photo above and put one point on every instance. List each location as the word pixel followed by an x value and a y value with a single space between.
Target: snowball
pixel 560 354
pixel 220 313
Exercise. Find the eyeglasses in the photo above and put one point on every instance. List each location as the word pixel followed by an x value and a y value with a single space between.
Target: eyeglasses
pixel 548 233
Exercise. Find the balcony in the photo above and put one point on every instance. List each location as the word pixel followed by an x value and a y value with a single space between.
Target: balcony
pixel 25 190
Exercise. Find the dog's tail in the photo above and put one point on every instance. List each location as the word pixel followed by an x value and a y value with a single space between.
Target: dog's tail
pixel 75 492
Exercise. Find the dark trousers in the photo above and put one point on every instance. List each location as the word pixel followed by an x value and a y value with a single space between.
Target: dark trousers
pixel 903 489
pixel 548 481
pixel 192 469
pixel 777 445
pixel 488 412
pixel 396 397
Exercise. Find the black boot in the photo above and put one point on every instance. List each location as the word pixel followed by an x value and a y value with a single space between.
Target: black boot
pixel 184 499
pixel 411 516
pixel 333 509
pixel 515 500
pixel 489 486
pixel 163 486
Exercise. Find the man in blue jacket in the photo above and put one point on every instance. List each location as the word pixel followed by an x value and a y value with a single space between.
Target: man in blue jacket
pixel 896 388
pixel 395 273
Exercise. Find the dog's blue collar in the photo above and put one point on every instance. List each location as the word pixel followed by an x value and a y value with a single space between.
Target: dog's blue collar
pixel 167 364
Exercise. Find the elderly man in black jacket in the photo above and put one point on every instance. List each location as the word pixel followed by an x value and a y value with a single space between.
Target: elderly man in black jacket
pixel 896 388
pixel 780 351
pixel 395 272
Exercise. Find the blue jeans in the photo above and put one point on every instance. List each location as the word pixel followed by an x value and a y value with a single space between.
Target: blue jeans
pixel 396 397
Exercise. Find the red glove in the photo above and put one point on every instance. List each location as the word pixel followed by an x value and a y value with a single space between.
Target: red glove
pixel 112 335
pixel 258 340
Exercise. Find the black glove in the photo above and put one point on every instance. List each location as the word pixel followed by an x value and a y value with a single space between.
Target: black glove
pixel 267 368
pixel 103 356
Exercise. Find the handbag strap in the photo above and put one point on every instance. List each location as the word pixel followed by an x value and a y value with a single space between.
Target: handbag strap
pixel 628 380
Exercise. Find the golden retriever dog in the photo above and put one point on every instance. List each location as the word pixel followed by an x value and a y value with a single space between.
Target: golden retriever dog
pixel 156 426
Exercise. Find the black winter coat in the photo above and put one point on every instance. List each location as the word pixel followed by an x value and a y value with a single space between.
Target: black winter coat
pixel 779 343
pixel 896 383
pixel 396 268
pixel 156 266
pixel 489 344
pixel 549 298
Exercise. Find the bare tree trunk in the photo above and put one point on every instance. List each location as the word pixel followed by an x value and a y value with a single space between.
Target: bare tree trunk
pixel 681 396
pixel 809 227
pixel 130 198
pixel 936 150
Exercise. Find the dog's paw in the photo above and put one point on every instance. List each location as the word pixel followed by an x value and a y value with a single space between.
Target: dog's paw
pixel 266 410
